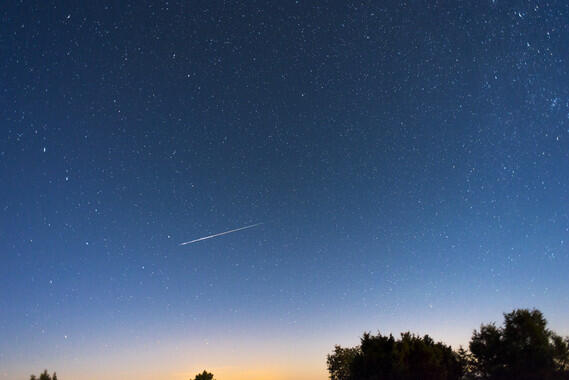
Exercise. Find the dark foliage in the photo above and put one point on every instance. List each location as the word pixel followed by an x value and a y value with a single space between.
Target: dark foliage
pixel 339 363
pixel 44 376
pixel 383 357
pixel 204 376
pixel 523 349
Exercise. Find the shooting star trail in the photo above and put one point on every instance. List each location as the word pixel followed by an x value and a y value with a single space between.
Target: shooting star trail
pixel 220 234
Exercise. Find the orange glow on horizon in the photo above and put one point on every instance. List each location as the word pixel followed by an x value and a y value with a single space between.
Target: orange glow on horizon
pixel 260 373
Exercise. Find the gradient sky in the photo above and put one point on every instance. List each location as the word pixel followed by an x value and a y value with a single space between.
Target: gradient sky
pixel 409 162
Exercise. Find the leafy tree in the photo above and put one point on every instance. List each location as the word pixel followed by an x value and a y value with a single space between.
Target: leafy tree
pixel 486 349
pixel 560 350
pixel 204 376
pixel 340 361
pixel 465 360
pixel 522 349
pixel 383 357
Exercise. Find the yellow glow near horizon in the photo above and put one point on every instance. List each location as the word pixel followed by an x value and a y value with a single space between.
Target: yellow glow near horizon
pixel 260 373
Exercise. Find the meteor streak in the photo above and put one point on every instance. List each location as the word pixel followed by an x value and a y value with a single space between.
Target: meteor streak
pixel 219 234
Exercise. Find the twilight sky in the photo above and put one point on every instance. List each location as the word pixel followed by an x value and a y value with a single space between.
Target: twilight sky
pixel 409 162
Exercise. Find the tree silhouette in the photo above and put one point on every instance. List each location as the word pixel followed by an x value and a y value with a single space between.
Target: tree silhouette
pixel 383 357
pixel 204 376
pixel 44 376
pixel 523 349
pixel 340 361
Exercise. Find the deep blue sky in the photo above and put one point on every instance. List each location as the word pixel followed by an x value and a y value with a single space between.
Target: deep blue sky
pixel 409 161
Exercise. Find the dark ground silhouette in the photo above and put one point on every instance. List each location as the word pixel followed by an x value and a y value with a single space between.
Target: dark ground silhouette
pixel 523 349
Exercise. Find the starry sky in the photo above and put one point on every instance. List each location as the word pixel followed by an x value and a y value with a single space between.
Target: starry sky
pixel 409 161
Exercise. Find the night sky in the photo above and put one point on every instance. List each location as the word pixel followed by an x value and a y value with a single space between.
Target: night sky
pixel 408 161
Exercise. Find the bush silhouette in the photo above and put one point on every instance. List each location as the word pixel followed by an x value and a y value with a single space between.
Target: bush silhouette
pixel 204 376
pixel 44 376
